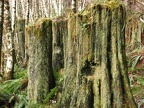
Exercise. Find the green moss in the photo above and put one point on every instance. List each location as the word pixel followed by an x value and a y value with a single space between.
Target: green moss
pixel 72 26
pixel 114 5
pixel 37 106
pixel 39 28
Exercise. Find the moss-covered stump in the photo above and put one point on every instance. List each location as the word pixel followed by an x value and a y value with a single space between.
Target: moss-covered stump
pixel 20 28
pixel 95 60
pixel 134 32
pixel 40 75
pixel 59 28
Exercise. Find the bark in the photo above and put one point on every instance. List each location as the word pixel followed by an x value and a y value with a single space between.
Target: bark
pixel 27 12
pixel 134 26
pixel 95 60
pixel 59 27
pixel 8 43
pixel 40 75
pixel 134 32
pixel 19 10
pixel 74 6
pixel 20 28
pixel 1 29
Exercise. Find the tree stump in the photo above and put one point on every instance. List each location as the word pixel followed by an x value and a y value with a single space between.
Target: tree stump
pixel 40 75
pixel 96 69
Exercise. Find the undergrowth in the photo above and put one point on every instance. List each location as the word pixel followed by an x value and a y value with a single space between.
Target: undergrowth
pixel 136 75
pixel 13 93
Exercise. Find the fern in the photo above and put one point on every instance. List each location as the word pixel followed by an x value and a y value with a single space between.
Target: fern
pixel 12 89
pixel 20 72
pixel 141 81
pixel 51 94
pixel 135 61
pixel 11 86
pixel 23 101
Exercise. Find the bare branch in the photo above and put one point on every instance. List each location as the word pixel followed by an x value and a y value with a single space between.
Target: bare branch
pixel 142 3
pixel 142 20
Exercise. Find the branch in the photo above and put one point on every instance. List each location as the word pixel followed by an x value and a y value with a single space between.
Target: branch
pixel 142 3
pixel 141 20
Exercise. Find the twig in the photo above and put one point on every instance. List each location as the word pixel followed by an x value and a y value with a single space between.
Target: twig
pixel 142 3
pixel 141 20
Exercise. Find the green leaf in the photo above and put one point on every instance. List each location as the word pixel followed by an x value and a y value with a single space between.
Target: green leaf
pixel 141 81
pixel 135 61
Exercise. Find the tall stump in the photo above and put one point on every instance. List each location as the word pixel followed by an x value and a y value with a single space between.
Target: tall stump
pixel 40 75
pixel 95 69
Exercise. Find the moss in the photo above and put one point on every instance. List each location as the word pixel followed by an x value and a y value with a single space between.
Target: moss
pixel 28 31
pixel 114 5
pixel 72 25
pixel 40 74
pixel 37 106
pixel 39 28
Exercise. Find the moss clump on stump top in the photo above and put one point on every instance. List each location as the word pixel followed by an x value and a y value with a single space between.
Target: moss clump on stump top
pixel 40 27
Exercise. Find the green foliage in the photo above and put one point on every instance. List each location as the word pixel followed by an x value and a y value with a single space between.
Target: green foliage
pixel 58 77
pixel 140 81
pixel 20 72
pixel 37 106
pixel 131 81
pixel 11 86
pixel 134 62
pixel 52 93
pixel 56 74
pixel 23 100
pixel 11 89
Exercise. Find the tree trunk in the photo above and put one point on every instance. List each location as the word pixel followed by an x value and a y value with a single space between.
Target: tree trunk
pixel 134 34
pixel 40 74
pixel 20 27
pixel 74 6
pixel 8 43
pixel 1 29
pixel 134 27
pixel 95 68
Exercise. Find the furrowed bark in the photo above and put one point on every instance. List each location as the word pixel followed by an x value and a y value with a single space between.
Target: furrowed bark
pixel 95 69
pixel 40 75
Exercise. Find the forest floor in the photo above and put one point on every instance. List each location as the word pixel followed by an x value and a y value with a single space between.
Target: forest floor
pixel 136 74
